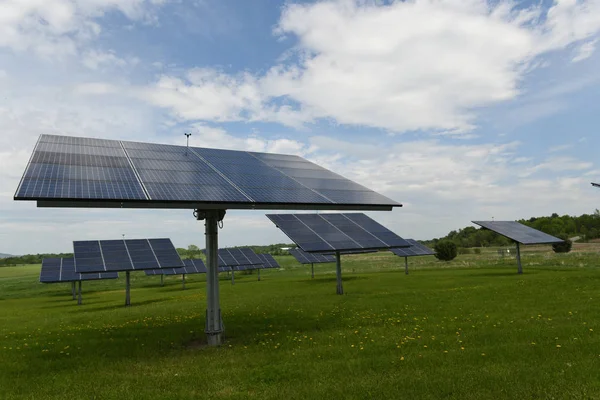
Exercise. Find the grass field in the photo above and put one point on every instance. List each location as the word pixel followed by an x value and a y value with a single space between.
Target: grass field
pixel 469 329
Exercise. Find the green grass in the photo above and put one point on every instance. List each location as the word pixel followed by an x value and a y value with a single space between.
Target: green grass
pixel 469 329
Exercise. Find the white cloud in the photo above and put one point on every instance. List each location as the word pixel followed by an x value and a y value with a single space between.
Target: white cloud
pixel 95 59
pixel 55 28
pixel 420 65
pixel 585 51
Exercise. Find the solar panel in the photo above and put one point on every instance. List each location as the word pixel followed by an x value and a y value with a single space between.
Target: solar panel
pixel 336 232
pixel 518 232
pixel 269 261
pixel 311 258
pixel 164 271
pixel 194 266
pixel 63 270
pixel 415 249
pixel 125 255
pixel 84 172
pixel 224 269
pixel 238 256
pixel 596 184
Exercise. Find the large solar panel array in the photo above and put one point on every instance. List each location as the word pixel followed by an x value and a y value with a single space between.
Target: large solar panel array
pixel 56 270
pixel 336 232
pixel 125 255
pixel 236 257
pixel 415 249
pixel 269 261
pixel 95 171
pixel 311 258
pixel 518 232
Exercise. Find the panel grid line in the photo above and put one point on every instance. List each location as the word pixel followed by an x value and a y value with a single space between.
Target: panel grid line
pixel 154 254
pixel 370 233
pixel 339 230
pixel 128 254
pixel 223 176
pixel 292 178
pixel 319 236
pixel 102 255
pixel 137 175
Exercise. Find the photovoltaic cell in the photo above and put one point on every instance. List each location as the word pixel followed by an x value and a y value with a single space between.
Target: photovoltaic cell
pixel 56 270
pixel 269 261
pixel 336 232
pixel 68 171
pixel 311 258
pixel 125 255
pixel 518 232
pixel 415 249
pixel 238 256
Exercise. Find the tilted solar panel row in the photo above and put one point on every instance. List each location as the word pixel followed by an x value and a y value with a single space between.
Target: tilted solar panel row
pixel 96 169
pixel 336 232
pixel 125 255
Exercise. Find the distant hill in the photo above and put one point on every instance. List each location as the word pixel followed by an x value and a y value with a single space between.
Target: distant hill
pixel 2 255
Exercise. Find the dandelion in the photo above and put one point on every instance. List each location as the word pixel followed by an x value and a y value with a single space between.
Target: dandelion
pixel 402 358
pixel 558 346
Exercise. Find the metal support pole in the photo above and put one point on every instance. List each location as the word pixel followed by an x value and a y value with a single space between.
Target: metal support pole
pixel 338 270
pixel 232 277
pixel 183 280
pixel 162 280
pixel 73 290
pixel 214 323
pixel 519 258
pixel 127 297
pixel 79 297
pixel 406 265
pixel 312 270
pixel 259 274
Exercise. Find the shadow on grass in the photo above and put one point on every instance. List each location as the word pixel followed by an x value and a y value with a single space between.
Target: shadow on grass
pixel 92 307
pixel 328 280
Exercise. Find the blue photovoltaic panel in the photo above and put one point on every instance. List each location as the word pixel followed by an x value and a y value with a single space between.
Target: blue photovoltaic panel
pixel 268 261
pixel 164 271
pixel 193 266
pixel 311 258
pixel 63 270
pixel 125 255
pixel 234 257
pixel 224 269
pixel 519 232
pixel 82 172
pixel 79 169
pixel 325 233
pixel 415 249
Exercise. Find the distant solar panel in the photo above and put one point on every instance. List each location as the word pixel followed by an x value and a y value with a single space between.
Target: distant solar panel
pixel 518 232
pixel 56 270
pixel 194 266
pixel 224 269
pixel 415 249
pixel 336 232
pixel 109 173
pixel 269 261
pixel 238 256
pixel 164 271
pixel 125 255
pixel 311 258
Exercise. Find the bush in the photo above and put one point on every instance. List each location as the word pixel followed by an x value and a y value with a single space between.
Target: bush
pixel 563 247
pixel 445 251
pixel 477 251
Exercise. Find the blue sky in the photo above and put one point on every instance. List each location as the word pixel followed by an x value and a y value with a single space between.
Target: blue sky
pixel 459 109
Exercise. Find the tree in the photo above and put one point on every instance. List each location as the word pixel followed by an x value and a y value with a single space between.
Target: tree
pixel 563 247
pixel 193 251
pixel 445 251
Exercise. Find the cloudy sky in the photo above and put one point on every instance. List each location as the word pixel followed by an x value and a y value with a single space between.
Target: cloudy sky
pixel 459 109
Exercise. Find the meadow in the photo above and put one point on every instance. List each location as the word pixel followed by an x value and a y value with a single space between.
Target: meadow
pixel 468 329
